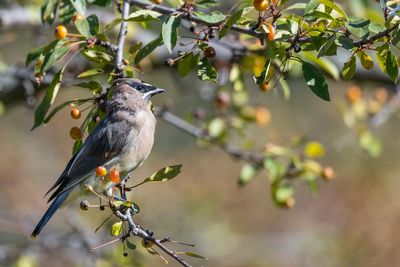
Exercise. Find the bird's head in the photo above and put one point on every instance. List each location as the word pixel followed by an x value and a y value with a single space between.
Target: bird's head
pixel 145 89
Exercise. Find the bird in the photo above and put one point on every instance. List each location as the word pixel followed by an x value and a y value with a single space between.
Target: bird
pixel 122 140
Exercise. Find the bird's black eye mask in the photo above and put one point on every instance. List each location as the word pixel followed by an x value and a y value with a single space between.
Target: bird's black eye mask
pixel 140 86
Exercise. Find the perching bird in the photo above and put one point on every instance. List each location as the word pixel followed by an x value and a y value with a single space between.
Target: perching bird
pixel 122 140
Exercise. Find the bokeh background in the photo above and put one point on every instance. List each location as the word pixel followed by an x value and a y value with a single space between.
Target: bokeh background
pixel 352 221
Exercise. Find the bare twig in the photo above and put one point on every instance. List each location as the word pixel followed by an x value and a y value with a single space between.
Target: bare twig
pixel 375 37
pixel 119 66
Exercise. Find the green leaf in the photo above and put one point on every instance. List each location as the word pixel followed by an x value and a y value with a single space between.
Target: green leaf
pixel 212 18
pixel 325 64
pixel 112 24
pixel 392 67
pixel 89 73
pixel 370 144
pixel 216 127
pixel 130 245
pixel 366 60
pixel 283 193
pixel 349 68
pixel 187 63
pixel 79 5
pixel 143 15
pixel 381 56
pixel 275 169
pixel 116 229
pixel 328 48
pixel 315 80
pixel 94 26
pixel 146 50
pixel 170 31
pixel 54 55
pixel 97 56
pixel 94 86
pixel 206 71
pixel 359 27
pixel 65 11
pixel 48 11
pixel 207 3
pixel 83 27
pixel 247 173
pixel 313 4
pixel 36 52
pixel 346 42
pixel 285 88
pixel 232 20
pixel 191 254
pixel 164 174
pixel 48 99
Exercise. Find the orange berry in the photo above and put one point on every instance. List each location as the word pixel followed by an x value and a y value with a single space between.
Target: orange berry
pixel 381 94
pixel 76 17
pixel 158 2
pixel 262 116
pixel 114 175
pixel 75 113
pixel 60 32
pixel 353 94
pixel 260 5
pixel 265 86
pixel 328 173
pixel 76 133
pixel 289 203
pixel 274 2
pixel 271 32
pixel 101 171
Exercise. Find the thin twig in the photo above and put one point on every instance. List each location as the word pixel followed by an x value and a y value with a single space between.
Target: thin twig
pixel 119 66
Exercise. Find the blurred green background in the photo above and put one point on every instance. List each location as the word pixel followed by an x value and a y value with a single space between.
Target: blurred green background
pixel 352 221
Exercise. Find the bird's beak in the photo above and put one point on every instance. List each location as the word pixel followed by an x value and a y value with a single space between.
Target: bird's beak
pixel 149 94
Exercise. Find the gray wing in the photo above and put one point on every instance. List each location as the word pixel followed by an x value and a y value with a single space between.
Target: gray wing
pixel 102 146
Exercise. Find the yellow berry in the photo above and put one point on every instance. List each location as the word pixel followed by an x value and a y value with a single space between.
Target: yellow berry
pixel 76 133
pixel 314 150
pixel 101 171
pixel 75 113
pixel 61 32
pixel 260 5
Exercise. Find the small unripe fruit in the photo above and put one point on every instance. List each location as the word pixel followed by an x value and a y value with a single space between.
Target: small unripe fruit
pixel 314 150
pixel 328 173
pixel 101 171
pixel 147 243
pixel 271 32
pixel 353 94
pixel 76 133
pixel 260 5
pixel 210 52
pixel 76 17
pixel 265 86
pixel 114 176
pixel 75 113
pixel 60 32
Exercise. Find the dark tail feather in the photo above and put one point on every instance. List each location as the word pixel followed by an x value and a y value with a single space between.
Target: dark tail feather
pixel 50 212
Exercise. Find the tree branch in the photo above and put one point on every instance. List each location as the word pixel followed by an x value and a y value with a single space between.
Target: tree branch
pixel 119 65
pixel 375 37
